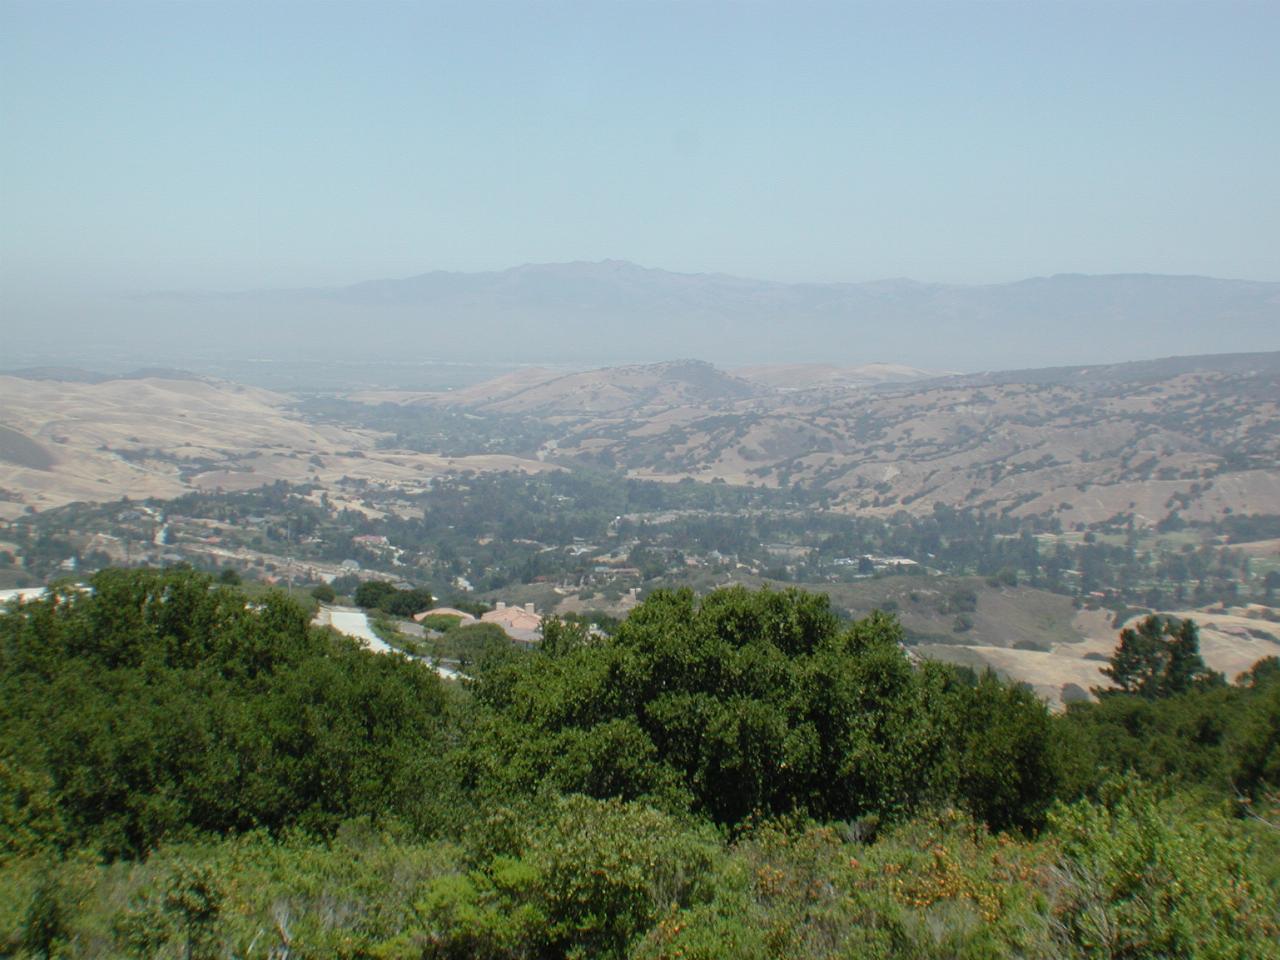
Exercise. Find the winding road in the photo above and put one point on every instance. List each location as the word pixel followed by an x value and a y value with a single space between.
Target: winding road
pixel 354 622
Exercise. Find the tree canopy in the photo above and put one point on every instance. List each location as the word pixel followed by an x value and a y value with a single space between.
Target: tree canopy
pixel 381 595
pixel 161 703
pixel 1159 658
pixel 759 702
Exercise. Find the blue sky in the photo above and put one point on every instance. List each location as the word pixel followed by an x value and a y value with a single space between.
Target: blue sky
pixel 226 145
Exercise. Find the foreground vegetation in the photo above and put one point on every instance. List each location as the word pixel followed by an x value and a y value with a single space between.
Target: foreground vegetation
pixel 187 773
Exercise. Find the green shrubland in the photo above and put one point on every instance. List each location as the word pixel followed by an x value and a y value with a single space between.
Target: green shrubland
pixel 187 773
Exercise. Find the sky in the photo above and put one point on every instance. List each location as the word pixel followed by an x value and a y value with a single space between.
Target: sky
pixel 220 146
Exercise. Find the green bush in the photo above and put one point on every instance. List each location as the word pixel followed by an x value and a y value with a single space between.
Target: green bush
pixel 589 877
pixel 934 887
pixel 161 706
pixel 1143 877
pixel 441 622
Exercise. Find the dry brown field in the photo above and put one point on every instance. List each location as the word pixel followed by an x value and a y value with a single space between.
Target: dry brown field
pixel 162 438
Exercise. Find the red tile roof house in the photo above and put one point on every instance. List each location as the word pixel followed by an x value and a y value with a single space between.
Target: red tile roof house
pixel 520 623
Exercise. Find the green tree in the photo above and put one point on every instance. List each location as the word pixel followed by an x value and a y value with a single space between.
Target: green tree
pixel 346 584
pixel 1006 775
pixel 159 705
pixel 1256 771
pixel 371 594
pixel 405 603
pixel 755 701
pixel 1160 658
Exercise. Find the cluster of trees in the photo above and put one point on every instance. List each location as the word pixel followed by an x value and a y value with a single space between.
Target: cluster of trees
pixel 1217 740
pixel 161 705
pixel 760 702
pixel 741 774
pixel 506 510
pixel 384 596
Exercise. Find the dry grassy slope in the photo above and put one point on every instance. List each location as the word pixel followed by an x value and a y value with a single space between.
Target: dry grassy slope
pixel 1070 661
pixel 1003 616
pixel 1202 443
pixel 160 438
pixel 817 376
pixel 1196 435
pixel 632 392
pixel 1231 641
pixel 1051 675
pixel 478 394
pixel 20 450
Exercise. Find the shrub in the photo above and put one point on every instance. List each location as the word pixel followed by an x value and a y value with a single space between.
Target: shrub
pixel 589 878
pixel 1141 878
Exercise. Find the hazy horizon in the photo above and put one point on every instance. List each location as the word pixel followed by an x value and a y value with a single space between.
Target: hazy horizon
pixel 1062 182
pixel 234 146
pixel 691 272
pixel 614 312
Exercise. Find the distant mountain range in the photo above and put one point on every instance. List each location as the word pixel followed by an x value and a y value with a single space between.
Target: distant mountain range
pixel 615 311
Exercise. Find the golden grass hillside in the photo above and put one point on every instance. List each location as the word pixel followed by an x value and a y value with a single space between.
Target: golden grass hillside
pixel 71 441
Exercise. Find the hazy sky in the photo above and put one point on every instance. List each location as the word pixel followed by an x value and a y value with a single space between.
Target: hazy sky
pixel 224 145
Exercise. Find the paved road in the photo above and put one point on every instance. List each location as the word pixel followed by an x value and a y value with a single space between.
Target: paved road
pixel 448 672
pixel 354 623
pixel 22 593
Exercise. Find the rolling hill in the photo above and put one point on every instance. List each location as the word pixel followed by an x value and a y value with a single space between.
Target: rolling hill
pixel 1196 436
pixel 101 439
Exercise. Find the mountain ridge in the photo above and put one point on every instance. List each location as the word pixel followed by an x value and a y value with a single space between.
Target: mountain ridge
pixel 619 312
pixel 629 266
